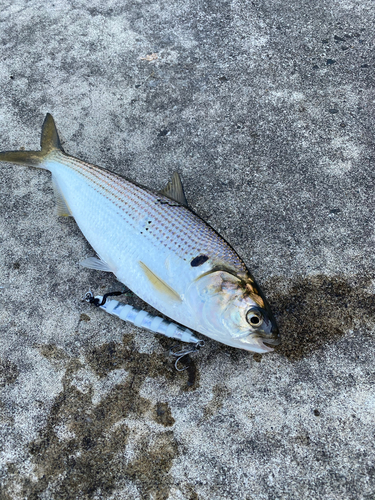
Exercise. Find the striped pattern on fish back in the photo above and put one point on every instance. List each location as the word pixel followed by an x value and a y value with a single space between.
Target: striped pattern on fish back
pixel 156 216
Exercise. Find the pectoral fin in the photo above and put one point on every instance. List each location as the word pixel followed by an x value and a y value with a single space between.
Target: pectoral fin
pixel 159 284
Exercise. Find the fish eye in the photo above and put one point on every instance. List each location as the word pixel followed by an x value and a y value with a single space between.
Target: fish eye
pixel 254 317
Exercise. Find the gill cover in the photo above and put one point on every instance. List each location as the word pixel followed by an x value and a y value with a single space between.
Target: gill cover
pixel 223 305
pixel 210 297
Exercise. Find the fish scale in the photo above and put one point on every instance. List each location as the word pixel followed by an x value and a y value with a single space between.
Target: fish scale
pixel 176 227
pixel 109 209
pixel 157 247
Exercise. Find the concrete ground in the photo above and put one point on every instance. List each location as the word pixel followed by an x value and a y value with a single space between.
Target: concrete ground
pixel 266 109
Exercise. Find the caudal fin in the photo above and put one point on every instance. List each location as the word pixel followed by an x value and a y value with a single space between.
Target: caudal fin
pixel 49 141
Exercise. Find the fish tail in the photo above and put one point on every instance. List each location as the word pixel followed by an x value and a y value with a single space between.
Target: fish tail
pixel 49 141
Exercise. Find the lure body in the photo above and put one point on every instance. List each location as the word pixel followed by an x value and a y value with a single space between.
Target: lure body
pixel 158 248
pixel 144 319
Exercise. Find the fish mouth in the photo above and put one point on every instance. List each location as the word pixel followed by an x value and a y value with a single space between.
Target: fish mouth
pixel 264 347
pixel 259 342
pixel 265 343
pixel 254 344
pixel 272 341
pixel 271 338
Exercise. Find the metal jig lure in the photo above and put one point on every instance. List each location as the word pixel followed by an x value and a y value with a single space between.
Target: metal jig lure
pixel 144 319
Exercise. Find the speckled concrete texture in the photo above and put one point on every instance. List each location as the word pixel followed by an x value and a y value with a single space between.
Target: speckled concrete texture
pixel 266 109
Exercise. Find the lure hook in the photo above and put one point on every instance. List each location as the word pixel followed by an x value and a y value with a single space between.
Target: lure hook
pixel 184 352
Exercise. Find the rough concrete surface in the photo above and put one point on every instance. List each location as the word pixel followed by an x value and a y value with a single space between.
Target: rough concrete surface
pixel 266 108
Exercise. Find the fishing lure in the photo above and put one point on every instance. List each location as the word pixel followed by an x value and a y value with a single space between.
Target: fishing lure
pixel 143 319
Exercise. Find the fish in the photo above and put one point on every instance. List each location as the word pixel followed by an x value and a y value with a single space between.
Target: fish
pixel 158 247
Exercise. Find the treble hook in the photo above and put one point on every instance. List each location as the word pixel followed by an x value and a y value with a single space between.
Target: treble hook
pixel 184 352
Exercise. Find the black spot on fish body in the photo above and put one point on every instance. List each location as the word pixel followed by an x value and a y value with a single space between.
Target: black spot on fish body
pixel 199 260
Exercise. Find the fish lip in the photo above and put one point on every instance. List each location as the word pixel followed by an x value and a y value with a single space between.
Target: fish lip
pixel 272 341
pixel 272 337
pixel 254 344
pixel 265 348
pixel 267 342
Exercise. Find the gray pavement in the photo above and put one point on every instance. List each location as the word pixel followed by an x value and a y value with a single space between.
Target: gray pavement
pixel 266 109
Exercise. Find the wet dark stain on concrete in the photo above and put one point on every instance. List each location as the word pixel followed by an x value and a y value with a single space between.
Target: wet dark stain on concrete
pixel 4 495
pixel 8 372
pixel 53 353
pixel 148 472
pixel 193 495
pixel 187 363
pixel 81 449
pixel 318 310
pixel 193 374
pixel 220 392
pixel 162 414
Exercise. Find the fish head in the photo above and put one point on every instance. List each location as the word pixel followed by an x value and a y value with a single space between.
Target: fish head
pixel 233 310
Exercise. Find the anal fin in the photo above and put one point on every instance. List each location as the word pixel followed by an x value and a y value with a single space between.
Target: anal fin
pixel 95 263
pixel 62 207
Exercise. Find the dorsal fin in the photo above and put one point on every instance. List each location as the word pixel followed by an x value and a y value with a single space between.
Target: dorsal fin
pixel 174 190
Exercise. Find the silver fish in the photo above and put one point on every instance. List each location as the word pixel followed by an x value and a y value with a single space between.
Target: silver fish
pixel 158 247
